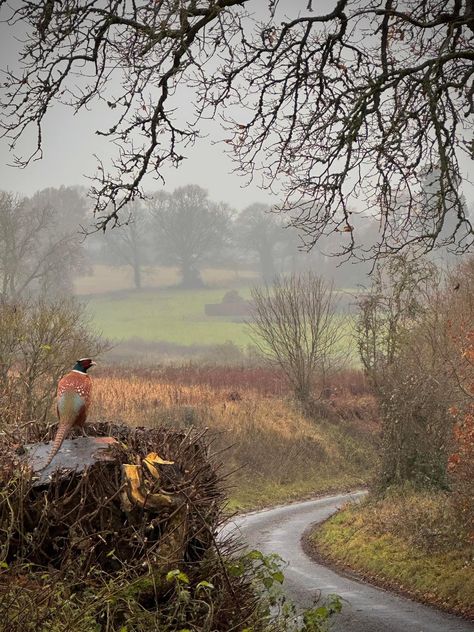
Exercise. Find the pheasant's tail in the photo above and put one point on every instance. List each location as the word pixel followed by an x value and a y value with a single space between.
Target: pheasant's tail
pixel 58 441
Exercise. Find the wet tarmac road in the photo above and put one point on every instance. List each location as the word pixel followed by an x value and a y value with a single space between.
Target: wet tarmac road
pixel 366 608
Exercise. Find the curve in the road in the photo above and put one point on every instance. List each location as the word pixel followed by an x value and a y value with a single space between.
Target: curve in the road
pixel 366 608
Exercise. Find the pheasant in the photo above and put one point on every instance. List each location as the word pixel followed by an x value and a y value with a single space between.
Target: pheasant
pixel 72 403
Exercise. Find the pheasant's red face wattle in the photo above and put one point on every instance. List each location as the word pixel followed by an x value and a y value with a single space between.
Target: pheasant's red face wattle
pixel 85 363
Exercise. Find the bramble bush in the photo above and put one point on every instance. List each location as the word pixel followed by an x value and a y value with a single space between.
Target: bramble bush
pixel 246 594
pixel 412 332
pixel 461 460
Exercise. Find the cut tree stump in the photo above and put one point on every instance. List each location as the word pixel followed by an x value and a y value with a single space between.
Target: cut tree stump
pixel 75 455
pixel 122 497
pixel 120 533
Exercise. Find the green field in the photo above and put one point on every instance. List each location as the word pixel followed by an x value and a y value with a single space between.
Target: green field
pixel 175 316
pixel 160 313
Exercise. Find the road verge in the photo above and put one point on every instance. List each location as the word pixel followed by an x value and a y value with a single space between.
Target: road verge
pixel 348 544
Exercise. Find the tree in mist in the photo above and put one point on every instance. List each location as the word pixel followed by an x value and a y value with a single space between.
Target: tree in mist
pixel 356 103
pixel 294 325
pixel 188 230
pixel 128 244
pixel 69 206
pixel 256 230
pixel 39 253
pixel 407 352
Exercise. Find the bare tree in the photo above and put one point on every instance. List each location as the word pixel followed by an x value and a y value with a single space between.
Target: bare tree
pixel 128 243
pixel 360 103
pixel 36 253
pixel 188 229
pixel 408 329
pixel 295 325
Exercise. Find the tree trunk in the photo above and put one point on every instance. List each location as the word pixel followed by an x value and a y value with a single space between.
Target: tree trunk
pixel 267 264
pixel 190 276
pixel 137 270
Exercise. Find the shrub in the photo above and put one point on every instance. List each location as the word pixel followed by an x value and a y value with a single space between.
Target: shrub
pixel 39 340
pixel 461 461
pixel 407 332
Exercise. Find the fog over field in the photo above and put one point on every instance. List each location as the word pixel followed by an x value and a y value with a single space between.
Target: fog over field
pixel 249 246
pixel 108 262
pixel 71 148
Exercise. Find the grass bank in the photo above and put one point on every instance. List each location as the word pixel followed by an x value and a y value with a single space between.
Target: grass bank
pixel 407 541
pixel 270 451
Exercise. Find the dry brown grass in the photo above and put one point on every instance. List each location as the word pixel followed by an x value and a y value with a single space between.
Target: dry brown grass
pixel 274 451
pixel 145 401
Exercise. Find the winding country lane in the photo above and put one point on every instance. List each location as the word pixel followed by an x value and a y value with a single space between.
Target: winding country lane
pixel 366 608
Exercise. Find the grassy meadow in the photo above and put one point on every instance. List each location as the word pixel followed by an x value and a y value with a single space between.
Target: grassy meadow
pixel 173 316
pixel 271 452
pixel 162 312
pixel 105 279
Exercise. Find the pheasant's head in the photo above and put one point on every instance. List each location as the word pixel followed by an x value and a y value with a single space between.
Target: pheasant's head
pixel 83 365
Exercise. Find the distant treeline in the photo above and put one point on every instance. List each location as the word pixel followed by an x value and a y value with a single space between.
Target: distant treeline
pixel 185 228
pixel 43 242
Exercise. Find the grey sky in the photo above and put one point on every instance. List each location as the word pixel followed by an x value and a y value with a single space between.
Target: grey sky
pixel 70 143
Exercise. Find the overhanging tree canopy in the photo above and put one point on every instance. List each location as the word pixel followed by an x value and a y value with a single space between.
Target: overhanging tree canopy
pixel 343 112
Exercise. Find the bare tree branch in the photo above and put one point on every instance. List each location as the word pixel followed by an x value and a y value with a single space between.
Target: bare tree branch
pixel 342 113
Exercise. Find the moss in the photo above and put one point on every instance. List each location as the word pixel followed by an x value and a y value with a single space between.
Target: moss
pixel 353 538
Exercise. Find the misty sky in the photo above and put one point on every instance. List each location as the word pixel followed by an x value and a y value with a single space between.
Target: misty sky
pixel 70 143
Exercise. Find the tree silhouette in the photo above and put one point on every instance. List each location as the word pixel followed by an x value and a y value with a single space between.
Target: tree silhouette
pixel 188 230
pixel 40 242
pixel 128 244
pixel 258 231
pixel 342 112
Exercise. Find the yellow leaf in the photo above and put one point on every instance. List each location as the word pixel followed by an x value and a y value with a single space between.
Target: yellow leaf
pixel 152 460
pixel 155 458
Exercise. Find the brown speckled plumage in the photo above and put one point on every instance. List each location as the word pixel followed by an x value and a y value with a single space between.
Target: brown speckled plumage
pixel 72 404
